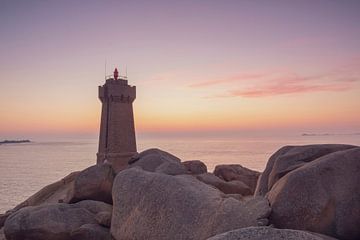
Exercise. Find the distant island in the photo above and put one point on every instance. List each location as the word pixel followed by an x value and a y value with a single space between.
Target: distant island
pixel 15 141
pixel 328 134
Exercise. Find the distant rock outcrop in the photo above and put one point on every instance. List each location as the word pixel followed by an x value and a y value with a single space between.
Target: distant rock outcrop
pixel 158 206
pixel 14 141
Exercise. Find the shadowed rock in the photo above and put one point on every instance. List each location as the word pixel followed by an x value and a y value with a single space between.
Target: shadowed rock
pixel 94 183
pixel 104 218
pixel 321 196
pixel 156 160
pixel 52 221
pixel 195 166
pixel 60 191
pixel 237 172
pixel 158 206
pixel 2 235
pixel 289 158
pixel 231 187
pixel 95 207
pixel 260 233
pixel 91 232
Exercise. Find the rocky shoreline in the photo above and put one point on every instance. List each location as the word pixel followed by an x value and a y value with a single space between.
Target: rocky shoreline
pixel 305 192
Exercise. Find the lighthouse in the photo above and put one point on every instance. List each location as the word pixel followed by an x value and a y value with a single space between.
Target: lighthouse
pixel 117 142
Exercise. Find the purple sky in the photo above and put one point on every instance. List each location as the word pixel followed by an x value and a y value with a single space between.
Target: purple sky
pixel 189 59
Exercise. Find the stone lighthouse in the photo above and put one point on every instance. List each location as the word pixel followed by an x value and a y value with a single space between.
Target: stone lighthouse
pixel 117 143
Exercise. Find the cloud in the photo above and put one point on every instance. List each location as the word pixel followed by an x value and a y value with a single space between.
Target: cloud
pixel 276 83
pixel 240 77
pixel 289 88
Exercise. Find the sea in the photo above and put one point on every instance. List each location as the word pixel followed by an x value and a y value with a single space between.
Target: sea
pixel 27 167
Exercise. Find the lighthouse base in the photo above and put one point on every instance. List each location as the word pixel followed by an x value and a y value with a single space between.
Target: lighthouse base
pixel 118 161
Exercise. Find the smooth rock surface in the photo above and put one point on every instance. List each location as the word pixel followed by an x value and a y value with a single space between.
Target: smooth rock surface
pixel 231 187
pixel 231 172
pixel 289 158
pixel 158 206
pixel 156 160
pixel 260 233
pixel 195 167
pixel 94 183
pixel 321 196
pixel 52 221
pixel 91 232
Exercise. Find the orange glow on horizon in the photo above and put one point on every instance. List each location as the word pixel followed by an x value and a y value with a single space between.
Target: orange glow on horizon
pixel 187 117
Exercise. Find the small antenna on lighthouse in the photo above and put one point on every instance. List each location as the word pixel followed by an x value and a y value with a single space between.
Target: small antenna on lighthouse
pixel 105 68
pixel 126 71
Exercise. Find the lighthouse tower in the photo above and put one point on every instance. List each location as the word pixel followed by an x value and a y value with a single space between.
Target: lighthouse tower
pixel 117 141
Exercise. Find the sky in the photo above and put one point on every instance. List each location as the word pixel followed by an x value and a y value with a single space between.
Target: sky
pixel 201 67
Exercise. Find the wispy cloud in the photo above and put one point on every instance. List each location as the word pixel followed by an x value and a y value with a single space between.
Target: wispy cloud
pixel 289 88
pixel 277 83
pixel 235 78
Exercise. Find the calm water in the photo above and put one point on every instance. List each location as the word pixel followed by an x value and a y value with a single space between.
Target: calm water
pixel 26 168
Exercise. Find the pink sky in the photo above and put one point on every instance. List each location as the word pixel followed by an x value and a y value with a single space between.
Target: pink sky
pixel 199 66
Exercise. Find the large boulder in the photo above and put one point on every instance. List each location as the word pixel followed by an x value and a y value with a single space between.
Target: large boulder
pixel 231 187
pixel 60 191
pixel 260 233
pixel 157 206
pixel 289 158
pixel 94 183
pixel 321 196
pixel 156 160
pixel 195 166
pixel 52 221
pixel 91 232
pixel 237 172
